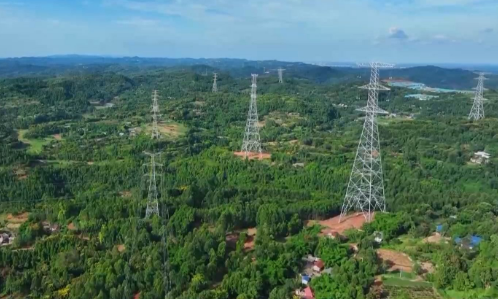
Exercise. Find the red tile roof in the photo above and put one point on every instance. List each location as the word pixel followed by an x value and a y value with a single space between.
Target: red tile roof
pixel 320 264
pixel 308 293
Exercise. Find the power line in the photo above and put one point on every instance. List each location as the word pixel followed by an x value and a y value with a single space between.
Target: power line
pixel 366 187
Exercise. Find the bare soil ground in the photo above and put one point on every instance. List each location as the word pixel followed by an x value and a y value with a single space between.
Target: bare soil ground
pixel 233 237
pixel 21 174
pixel 169 129
pixel 252 155
pixel 57 136
pixel 436 238
pixel 15 221
pixel 21 218
pixel 251 236
pixel 399 261
pixel 427 267
pixel 121 247
pixel 71 226
pixel 125 194
pixel 332 225
pixel 136 296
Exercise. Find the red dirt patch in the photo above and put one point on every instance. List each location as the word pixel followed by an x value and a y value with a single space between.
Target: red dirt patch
pixel 233 237
pixel 136 296
pixel 71 226
pixel 57 136
pixel 251 235
pixel 121 247
pixel 253 155
pixel 332 225
pixel 398 260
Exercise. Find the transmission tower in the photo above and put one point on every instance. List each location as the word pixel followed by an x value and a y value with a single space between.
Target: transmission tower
pixel 366 187
pixel 155 110
pixel 280 75
pixel 477 111
pixel 152 197
pixel 252 141
pixel 166 268
pixel 215 84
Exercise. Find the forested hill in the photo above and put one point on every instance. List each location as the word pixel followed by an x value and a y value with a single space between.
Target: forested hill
pixel 75 64
pixel 73 193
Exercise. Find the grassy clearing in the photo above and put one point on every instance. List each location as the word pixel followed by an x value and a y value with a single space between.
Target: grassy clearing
pixel 392 280
pixel 417 292
pixel 35 145
pixel 479 293
pixel 169 129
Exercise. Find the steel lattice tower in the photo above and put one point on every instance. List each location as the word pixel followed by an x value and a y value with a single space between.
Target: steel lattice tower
pixel 252 142
pixel 366 187
pixel 477 111
pixel 152 197
pixel 215 84
pixel 280 75
pixel 153 194
pixel 155 110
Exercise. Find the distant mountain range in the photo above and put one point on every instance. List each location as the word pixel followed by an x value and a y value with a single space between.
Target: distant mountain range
pixel 453 76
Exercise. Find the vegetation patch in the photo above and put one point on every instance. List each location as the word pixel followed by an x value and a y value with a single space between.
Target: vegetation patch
pixel 35 145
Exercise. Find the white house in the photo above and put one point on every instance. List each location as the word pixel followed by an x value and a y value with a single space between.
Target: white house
pixel 480 157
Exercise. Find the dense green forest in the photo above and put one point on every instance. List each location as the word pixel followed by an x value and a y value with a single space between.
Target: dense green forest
pixel 73 192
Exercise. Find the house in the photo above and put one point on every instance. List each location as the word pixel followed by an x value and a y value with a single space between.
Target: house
pixel 310 259
pixel 439 228
pixel 378 237
pixel 4 238
pixel 318 266
pixel 308 293
pixel 480 157
pixel 469 242
pixel 305 279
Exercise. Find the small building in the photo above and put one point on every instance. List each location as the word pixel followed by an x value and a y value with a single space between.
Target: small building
pixel 318 266
pixel 468 242
pixel 4 238
pixel 378 237
pixel 308 293
pixel 54 228
pixel 480 157
pixel 439 228
pixel 305 279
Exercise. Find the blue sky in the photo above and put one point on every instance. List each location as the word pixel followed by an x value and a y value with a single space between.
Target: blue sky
pixel 411 31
